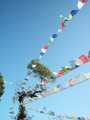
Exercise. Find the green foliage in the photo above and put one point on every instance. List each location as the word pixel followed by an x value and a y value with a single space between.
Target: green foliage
pixel 1 85
pixel 41 69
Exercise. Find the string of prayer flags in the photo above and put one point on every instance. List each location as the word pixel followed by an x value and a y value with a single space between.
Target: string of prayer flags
pixel 81 78
pixel 44 50
pixel 73 12
pixel 83 59
pixel 63 23
pixel 44 73
pixel 65 20
pixel 50 76
pixel 59 116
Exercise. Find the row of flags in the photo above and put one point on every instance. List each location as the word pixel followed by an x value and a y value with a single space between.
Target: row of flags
pixel 81 78
pixel 73 64
pixel 83 59
pixel 58 116
pixel 63 24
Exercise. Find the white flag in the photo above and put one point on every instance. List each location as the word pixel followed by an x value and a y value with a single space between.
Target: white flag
pixel 80 4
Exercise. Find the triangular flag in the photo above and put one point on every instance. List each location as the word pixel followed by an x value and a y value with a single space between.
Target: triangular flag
pixel 78 62
pixel 74 12
pixel 43 50
pixel 81 3
pixel 62 25
pixel 60 73
pixel 70 17
pixel 46 47
pixel 54 35
pixel 87 75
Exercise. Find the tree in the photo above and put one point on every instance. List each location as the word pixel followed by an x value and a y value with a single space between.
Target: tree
pixel 2 87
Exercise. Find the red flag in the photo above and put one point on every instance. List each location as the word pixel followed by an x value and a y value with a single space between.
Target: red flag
pixel 45 47
pixel 84 58
pixel 84 1
pixel 60 73
pixel 62 25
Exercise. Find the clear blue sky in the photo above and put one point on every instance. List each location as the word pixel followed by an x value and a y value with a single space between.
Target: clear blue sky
pixel 25 26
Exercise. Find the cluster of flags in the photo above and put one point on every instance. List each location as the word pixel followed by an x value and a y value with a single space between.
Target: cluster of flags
pixel 45 47
pixel 83 59
pixel 54 116
pixel 74 64
pixel 81 78
pixel 63 24
pixel 73 12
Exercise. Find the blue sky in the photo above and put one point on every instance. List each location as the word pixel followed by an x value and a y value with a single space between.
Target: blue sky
pixel 25 26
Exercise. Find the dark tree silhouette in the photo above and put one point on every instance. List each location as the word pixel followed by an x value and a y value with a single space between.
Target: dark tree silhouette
pixel 2 87
pixel 22 112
